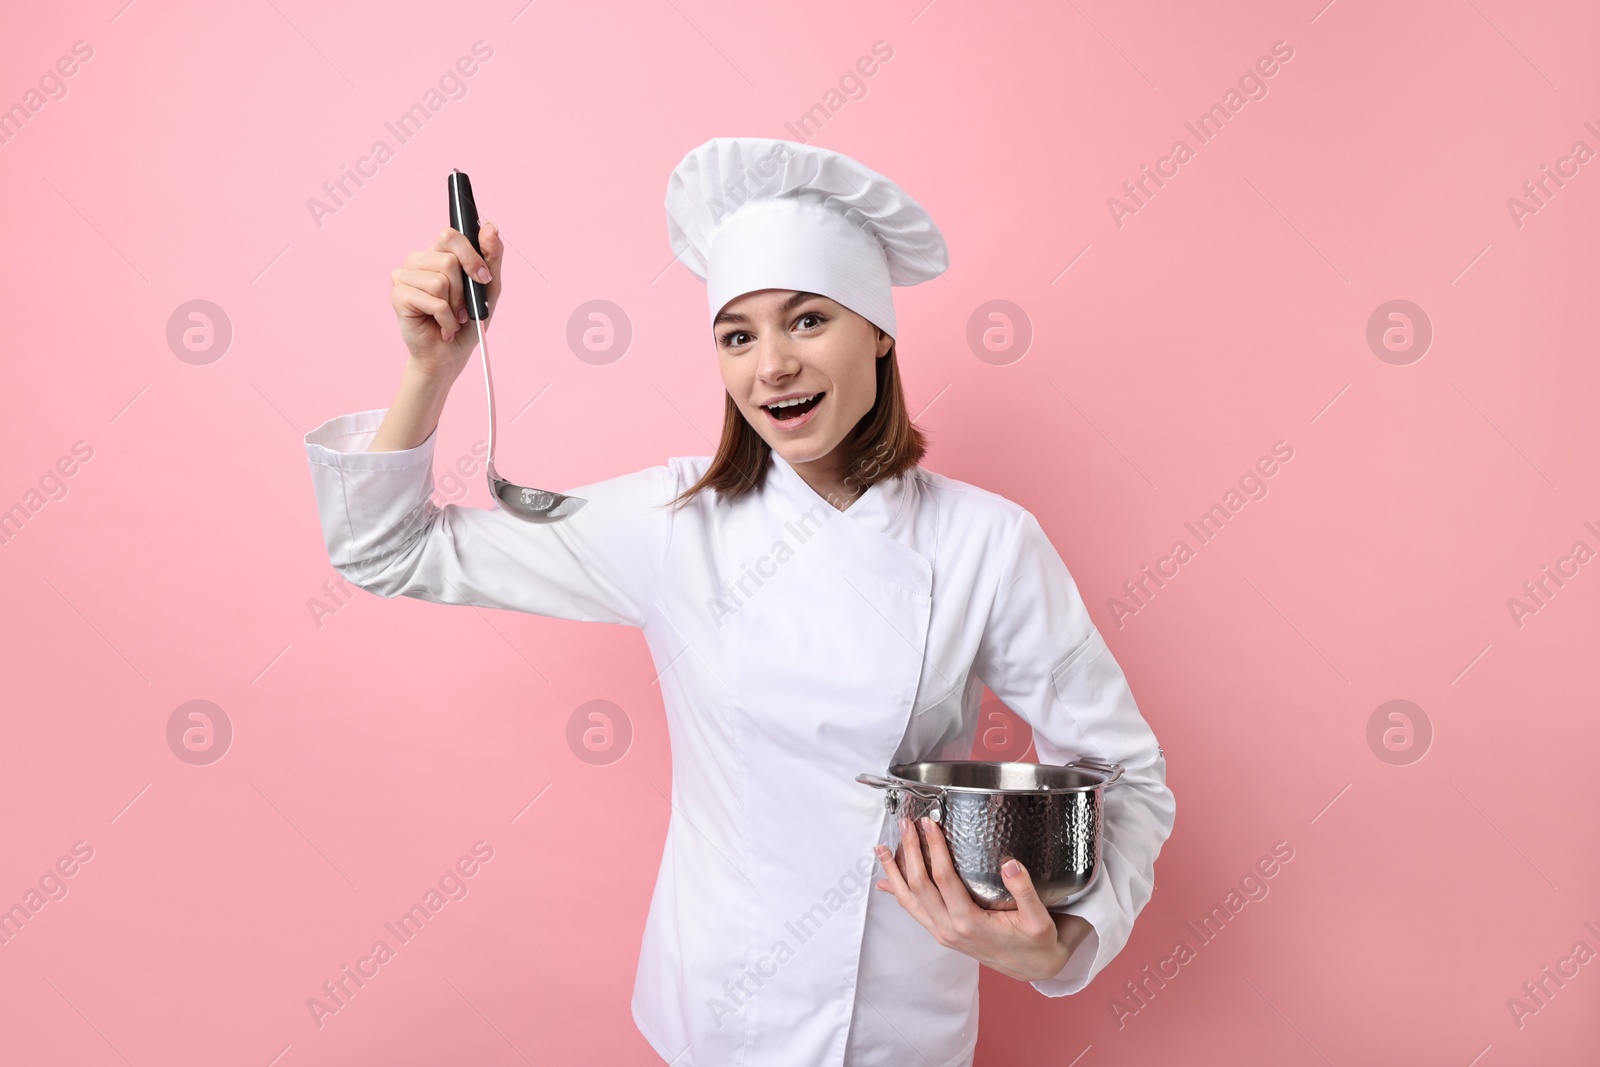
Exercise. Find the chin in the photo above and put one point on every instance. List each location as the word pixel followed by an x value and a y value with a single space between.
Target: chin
pixel 790 453
pixel 799 451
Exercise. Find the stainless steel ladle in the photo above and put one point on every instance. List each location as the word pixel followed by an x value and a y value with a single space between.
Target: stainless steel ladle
pixel 530 505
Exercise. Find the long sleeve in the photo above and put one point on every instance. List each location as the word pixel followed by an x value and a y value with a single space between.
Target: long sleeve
pixel 385 534
pixel 1043 657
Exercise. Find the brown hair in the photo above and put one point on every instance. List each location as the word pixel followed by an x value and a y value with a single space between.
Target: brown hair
pixel 884 444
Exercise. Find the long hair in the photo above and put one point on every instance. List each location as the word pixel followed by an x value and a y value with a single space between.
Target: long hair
pixel 883 444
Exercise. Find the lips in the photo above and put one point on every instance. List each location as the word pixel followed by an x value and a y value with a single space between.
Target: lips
pixel 793 408
pixel 792 417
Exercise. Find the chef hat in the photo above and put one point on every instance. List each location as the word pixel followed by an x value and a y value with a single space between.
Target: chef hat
pixel 749 213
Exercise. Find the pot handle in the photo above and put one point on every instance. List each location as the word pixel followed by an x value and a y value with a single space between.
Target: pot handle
pixel 1096 764
pixel 895 786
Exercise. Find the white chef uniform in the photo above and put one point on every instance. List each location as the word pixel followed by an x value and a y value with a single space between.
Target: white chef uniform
pixel 798 647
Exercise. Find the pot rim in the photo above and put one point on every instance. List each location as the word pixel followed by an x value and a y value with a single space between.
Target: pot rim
pixel 1110 772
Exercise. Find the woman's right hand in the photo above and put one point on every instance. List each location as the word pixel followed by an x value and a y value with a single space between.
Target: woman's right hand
pixel 429 298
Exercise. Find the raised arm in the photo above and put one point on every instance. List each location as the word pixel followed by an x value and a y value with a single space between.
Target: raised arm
pixel 385 534
pixel 373 476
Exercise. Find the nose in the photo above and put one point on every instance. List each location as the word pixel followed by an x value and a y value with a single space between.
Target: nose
pixel 776 358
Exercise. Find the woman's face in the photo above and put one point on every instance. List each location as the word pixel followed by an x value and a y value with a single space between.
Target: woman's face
pixel 776 345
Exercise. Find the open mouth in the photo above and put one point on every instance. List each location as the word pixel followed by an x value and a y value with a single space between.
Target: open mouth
pixel 789 410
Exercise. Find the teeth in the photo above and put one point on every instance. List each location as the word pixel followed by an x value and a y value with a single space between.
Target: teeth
pixel 792 403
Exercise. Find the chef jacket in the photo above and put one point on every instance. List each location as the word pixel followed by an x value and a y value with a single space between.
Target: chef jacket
pixel 798 646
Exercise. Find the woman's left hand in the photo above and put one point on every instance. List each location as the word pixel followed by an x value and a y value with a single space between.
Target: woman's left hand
pixel 1029 944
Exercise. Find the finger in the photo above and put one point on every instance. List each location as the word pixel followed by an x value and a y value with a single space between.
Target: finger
pixel 417 305
pixel 954 891
pixel 448 270
pixel 455 242
pixel 919 881
pixel 896 884
pixel 891 870
pixel 1032 915
pixel 434 284
pixel 911 855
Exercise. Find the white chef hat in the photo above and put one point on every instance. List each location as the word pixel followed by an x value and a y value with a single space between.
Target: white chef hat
pixel 749 213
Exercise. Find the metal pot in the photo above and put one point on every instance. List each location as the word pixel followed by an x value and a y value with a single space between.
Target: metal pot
pixel 1047 817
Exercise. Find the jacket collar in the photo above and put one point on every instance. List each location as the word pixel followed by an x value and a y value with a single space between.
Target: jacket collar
pixel 878 509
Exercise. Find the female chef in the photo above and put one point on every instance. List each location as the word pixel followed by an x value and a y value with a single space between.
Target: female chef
pixel 817 604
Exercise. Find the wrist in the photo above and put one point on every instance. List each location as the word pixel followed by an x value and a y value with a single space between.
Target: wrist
pixel 424 390
pixel 415 410
pixel 1072 931
pixel 430 378
pixel 1049 962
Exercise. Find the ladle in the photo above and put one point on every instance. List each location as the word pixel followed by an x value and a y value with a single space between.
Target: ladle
pixel 531 505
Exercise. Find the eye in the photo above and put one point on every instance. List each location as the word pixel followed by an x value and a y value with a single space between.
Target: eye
pixel 727 339
pixel 819 316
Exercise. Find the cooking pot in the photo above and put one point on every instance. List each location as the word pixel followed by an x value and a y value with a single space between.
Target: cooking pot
pixel 1047 817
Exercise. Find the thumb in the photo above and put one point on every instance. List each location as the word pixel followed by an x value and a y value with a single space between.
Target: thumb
pixel 493 248
pixel 1020 885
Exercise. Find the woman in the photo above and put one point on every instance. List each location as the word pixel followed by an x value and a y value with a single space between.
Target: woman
pixel 817 604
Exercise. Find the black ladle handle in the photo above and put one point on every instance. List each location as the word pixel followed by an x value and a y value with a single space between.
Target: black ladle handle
pixel 464 217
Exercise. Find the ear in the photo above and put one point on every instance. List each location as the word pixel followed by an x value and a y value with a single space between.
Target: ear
pixel 885 342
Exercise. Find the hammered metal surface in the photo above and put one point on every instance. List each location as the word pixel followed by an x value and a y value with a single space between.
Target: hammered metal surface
pixel 1056 836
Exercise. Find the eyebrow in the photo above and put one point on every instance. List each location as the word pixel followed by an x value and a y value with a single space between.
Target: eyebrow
pixel 787 306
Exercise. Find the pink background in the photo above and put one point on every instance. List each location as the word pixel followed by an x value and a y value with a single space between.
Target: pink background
pixel 374 744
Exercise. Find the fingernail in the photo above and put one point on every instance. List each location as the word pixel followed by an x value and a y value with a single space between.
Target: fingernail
pixel 927 823
pixel 483 275
pixel 1011 868
pixel 461 314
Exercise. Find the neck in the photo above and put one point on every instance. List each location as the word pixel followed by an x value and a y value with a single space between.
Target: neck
pixel 826 479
